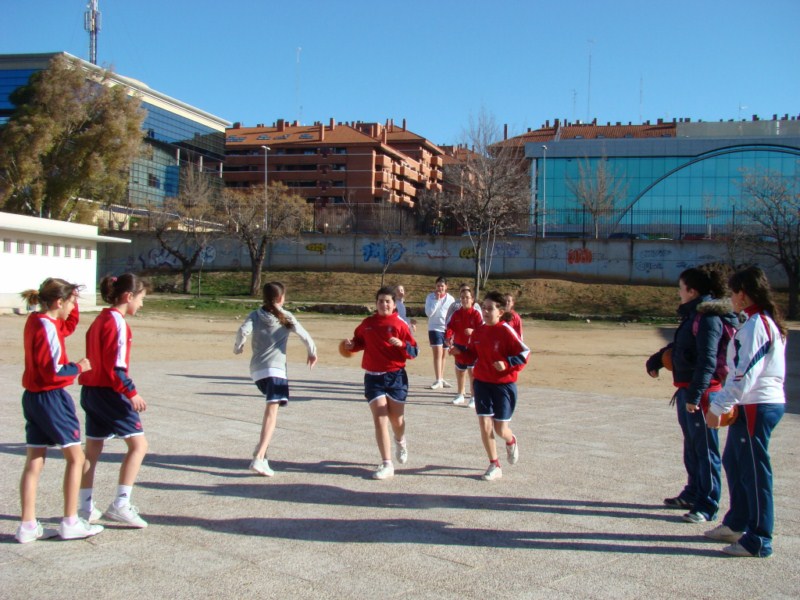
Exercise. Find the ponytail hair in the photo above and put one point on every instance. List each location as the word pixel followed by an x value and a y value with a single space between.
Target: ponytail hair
pixel 500 300
pixel 273 292
pixel 707 280
pixel 113 288
pixel 753 282
pixel 50 291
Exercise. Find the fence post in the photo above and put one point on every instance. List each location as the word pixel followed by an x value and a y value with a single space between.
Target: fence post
pixel 680 222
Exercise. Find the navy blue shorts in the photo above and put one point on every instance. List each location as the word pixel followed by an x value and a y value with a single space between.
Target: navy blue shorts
pixel 275 389
pixel 109 414
pixel 496 400
pixel 393 385
pixel 436 338
pixel 50 419
pixel 460 365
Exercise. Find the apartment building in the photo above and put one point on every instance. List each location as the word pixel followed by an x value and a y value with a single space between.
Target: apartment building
pixel 337 163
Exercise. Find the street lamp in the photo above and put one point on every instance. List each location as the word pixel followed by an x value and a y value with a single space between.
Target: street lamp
pixel 544 191
pixel 266 193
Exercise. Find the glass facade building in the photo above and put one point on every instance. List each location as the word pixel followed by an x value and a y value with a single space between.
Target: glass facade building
pixel 692 180
pixel 176 134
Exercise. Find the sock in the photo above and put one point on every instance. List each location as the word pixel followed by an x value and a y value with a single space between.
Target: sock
pixel 512 442
pixel 85 502
pixel 73 520
pixel 123 495
pixel 30 524
pixel 495 462
pixel 388 463
pixel 401 442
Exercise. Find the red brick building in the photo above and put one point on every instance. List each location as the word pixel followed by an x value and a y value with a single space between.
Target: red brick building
pixel 335 163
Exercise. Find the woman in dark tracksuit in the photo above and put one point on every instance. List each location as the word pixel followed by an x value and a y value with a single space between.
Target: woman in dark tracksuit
pixel 695 348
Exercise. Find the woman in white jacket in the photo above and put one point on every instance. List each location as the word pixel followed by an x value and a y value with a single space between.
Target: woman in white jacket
pixel 757 368
pixel 270 326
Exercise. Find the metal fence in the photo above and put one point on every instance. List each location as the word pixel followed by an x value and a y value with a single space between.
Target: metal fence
pixel 675 223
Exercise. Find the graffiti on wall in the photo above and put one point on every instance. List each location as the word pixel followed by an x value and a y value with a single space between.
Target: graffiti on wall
pixel 501 249
pixel 384 253
pixel 579 256
pixel 160 257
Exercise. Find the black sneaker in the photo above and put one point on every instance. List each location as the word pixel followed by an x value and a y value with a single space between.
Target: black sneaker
pixel 677 502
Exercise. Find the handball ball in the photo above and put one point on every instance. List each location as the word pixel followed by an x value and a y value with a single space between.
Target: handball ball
pixel 666 359
pixel 343 349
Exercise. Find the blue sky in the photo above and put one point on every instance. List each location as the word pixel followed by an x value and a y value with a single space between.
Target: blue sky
pixel 437 63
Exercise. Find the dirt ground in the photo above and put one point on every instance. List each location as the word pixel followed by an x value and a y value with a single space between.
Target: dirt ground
pixel 604 358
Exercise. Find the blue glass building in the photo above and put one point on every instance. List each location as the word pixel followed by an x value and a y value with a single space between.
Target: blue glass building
pixel 683 180
pixel 176 134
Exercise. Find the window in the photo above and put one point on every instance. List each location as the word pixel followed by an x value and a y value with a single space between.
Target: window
pixel 6 245
pixel 31 247
pixel 45 249
pixel 67 251
pixel 77 251
pixel 56 249
pixel 152 181
pixel 88 253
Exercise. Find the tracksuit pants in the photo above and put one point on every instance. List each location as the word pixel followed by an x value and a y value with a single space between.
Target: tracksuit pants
pixel 749 472
pixel 701 458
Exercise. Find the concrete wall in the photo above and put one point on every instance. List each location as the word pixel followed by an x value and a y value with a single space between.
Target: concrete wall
pixel 653 262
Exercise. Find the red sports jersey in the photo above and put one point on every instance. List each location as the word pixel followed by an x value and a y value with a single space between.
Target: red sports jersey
pixel 516 323
pixel 46 364
pixel 108 348
pixel 461 320
pixel 490 343
pixel 380 356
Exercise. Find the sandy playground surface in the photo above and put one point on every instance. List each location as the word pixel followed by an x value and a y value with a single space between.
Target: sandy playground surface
pixel 605 358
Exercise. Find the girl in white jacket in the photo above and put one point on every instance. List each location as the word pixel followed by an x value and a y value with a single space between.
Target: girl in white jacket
pixel 270 326
pixel 757 369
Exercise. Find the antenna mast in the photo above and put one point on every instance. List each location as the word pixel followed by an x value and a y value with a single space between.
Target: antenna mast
pixel 91 23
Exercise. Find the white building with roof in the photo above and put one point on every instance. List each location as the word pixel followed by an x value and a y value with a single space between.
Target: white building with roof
pixel 34 249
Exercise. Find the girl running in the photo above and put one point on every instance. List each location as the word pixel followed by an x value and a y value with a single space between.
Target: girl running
pixel 459 329
pixel 270 326
pixel 387 343
pixel 110 399
pixel 499 355
pixel 50 418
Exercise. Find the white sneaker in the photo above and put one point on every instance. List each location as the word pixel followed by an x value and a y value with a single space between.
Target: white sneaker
pixel 436 385
pixel 261 466
pixel 78 531
pixel 92 516
pixel 723 533
pixel 384 471
pixel 512 452
pixel 736 549
pixel 127 514
pixel 459 399
pixel 25 536
pixel 471 403
pixel 493 472
pixel 401 452
pixel 446 383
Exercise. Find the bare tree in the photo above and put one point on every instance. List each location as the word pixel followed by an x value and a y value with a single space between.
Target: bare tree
pixel 488 192
pixel 256 220
pixel 598 191
pixel 189 222
pixel 772 205
pixel 390 221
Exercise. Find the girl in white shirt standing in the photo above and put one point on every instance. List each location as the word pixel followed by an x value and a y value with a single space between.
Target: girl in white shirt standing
pixel 757 369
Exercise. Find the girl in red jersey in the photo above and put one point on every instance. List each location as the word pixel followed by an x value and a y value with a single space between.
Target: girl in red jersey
pixel 387 343
pixel 460 326
pixel 50 418
pixel 110 399
pixel 499 356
